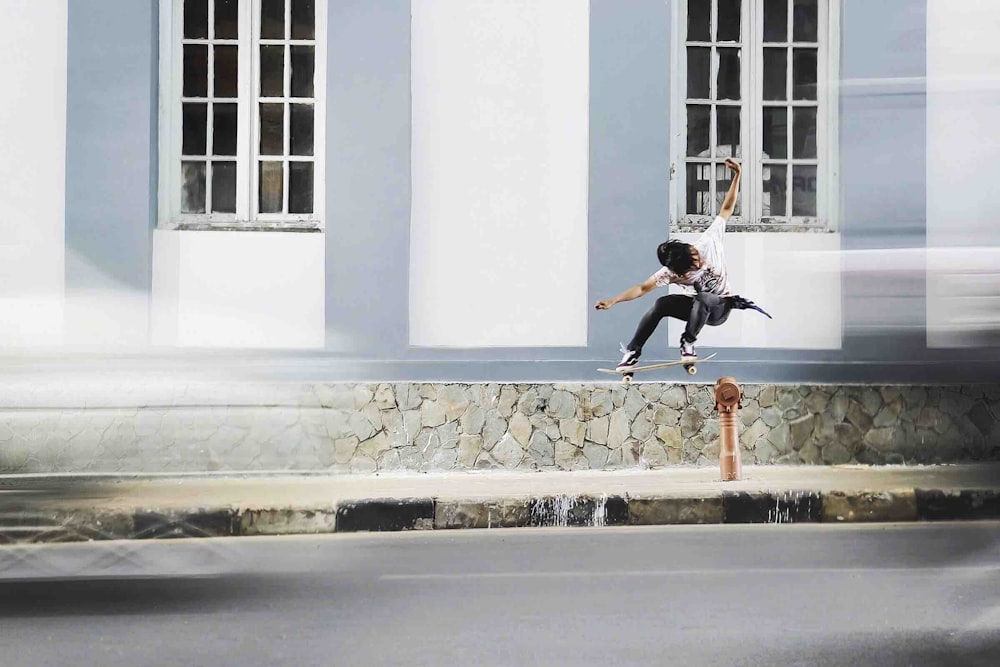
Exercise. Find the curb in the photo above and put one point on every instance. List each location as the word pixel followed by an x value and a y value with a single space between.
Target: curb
pixel 67 524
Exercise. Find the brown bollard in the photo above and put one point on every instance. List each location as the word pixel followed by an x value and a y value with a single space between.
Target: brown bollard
pixel 727 402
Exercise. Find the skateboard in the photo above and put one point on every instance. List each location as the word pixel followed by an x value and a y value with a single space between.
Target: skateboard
pixel 689 365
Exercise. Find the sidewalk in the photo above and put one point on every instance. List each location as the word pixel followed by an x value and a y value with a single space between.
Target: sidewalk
pixel 60 509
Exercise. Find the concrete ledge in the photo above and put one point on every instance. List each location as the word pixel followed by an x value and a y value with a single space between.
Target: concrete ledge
pixel 385 515
pixel 935 505
pixel 667 511
pixel 880 506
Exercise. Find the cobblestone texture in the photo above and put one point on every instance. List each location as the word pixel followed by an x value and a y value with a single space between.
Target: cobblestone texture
pixel 365 428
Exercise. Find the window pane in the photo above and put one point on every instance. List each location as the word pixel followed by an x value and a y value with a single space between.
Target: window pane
pixel 195 128
pixel 697 189
pixel 804 132
pixel 271 187
pixel 192 187
pixel 303 19
pixel 272 129
pixel 302 129
pixel 300 187
pixel 227 23
pixel 226 71
pixel 272 19
pixel 775 135
pixel 303 66
pixel 803 190
pixel 804 74
pixel 224 129
pixel 272 71
pixel 195 19
pixel 223 187
pixel 723 177
pixel 728 85
pixel 698 66
pixel 699 20
pixel 775 20
pixel 729 21
pixel 806 21
pixel 195 70
pixel 727 124
pixel 775 73
pixel 774 204
pixel 698 130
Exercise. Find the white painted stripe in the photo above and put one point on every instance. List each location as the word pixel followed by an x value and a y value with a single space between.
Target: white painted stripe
pixel 498 245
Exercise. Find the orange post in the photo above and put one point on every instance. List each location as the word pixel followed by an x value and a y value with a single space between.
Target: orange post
pixel 728 396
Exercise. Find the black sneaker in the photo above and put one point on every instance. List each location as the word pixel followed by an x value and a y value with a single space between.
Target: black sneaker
pixel 687 350
pixel 629 359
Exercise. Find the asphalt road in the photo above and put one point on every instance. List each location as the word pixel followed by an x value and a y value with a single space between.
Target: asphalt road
pixel 913 594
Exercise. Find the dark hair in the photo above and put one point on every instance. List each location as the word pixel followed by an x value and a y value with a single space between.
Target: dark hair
pixel 676 256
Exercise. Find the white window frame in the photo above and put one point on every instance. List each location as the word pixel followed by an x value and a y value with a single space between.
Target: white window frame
pixel 751 131
pixel 248 129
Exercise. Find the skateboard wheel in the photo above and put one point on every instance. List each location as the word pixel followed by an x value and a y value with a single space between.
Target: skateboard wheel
pixel 627 380
pixel 692 370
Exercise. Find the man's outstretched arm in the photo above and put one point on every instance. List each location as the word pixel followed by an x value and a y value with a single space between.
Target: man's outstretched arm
pixel 629 294
pixel 729 203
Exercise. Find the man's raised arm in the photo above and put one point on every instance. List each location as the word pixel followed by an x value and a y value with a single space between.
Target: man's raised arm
pixel 729 203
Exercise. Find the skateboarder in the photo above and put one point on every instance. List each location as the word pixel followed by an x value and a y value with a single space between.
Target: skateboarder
pixel 701 268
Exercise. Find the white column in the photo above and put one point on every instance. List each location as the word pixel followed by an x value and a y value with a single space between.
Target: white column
pixel 498 245
pixel 33 39
pixel 963 170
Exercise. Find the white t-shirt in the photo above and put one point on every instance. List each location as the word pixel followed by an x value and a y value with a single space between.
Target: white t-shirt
pixel 711 277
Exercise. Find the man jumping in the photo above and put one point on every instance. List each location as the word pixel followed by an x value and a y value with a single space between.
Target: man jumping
pixel 701 268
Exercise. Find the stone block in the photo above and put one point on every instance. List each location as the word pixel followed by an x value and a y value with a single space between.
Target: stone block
pixel 287 521
pixel 861 506
pixel 673 510
pixel 385 515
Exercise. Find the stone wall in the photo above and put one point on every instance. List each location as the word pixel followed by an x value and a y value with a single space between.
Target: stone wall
pixel 366 428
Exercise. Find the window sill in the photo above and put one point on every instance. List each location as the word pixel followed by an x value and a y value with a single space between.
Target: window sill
pixel 292 227
pixel 696 226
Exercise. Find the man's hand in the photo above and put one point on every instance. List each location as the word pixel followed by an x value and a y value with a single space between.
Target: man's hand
pixel 603 304
pixel 733 165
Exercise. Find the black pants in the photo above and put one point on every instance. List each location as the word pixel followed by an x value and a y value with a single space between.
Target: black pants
pixel 699 310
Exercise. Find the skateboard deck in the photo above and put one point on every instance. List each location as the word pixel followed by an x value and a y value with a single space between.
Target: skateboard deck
pixel 689 366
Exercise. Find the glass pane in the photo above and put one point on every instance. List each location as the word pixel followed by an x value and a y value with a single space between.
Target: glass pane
pixel 723 178
pixel 302 129
pixel 804 74
pixel 698 130
pixel 775 135
pixel 303 19
pixel 775 20
pixel 271 185
pixel 300 187
pixel 775 73
pixel 774 204
pixel 226 71
pixel 223 187
pixel 272 19
pixel 195 128
pixel 195 70
pixel 227 21
pixel 697 189
pixel 699 20
pixel 804 132
pixel 803 190
pixel 698 66
pixel 272 71
pixel 272 129
pixel 303 66
pixel 224 125
pixel 729 21
pixel 192 187
pixel 195 19
pixel 806 23
pixel 727 125
pixel 728 84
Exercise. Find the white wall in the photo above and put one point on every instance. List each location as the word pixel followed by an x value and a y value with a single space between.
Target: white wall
pixel 238 289
pixel 793 276
pixel 963 169
pixel 33 37
pixel 498 245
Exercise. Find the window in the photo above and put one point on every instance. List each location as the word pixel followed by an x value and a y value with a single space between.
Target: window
pixel 241 114
pixel 755 89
